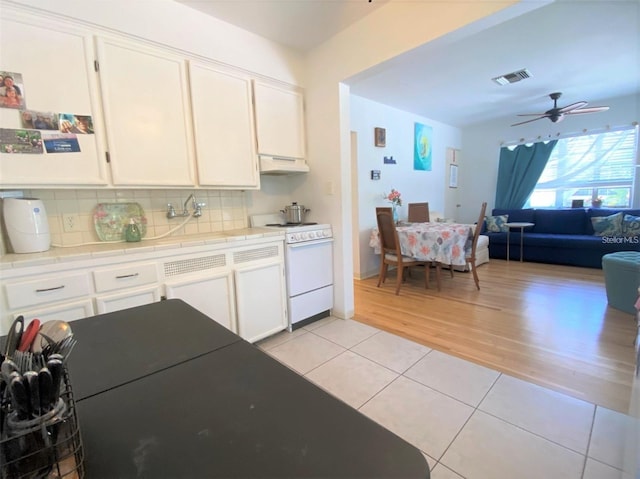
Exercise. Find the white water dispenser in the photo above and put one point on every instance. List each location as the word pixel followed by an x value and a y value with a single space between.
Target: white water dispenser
pixel 27 225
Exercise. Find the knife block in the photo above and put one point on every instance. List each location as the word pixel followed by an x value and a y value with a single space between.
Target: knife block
pixel 50 446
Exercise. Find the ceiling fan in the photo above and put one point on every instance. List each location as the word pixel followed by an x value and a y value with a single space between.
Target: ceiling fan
pixel 557 114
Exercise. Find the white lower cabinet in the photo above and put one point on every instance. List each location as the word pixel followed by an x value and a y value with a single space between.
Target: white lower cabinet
pixel 128 280
pixel 128 299
pixel 259 297
pixel 65 295
pixel 211 294
pixel 65 312
pixel 125 277
pixel 46 289
pixel 240 284
pixel 242 288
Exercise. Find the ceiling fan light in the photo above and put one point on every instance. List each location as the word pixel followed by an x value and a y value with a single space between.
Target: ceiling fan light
pixel 556 114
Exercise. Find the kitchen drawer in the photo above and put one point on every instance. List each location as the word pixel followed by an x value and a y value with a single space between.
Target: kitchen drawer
pixel 129 276
pixel 47 290
pixel 68 311
pixel 128 299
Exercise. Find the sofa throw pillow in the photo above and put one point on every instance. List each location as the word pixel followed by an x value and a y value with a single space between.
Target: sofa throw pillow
pixel 496 224
pixel 631 225
pixel 607 225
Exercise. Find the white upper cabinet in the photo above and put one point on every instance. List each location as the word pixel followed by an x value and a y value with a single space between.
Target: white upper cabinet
pixel 226 155
pixel 55 68
pixel 279 121
pixel 161 118
pixel 147 114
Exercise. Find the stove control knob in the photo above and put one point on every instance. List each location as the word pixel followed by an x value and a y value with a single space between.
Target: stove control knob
pixel 312 234
pixel 294 237
pixel 303 236
pixel 326 233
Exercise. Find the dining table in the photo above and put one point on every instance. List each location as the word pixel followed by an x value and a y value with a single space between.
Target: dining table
pixel 163 391
pixel 445 243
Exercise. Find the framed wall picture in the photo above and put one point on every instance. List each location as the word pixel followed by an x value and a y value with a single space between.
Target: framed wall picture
pixel 380 137
pixel 453 176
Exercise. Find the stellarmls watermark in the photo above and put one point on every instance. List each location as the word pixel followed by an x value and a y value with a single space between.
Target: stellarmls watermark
pixel 621 239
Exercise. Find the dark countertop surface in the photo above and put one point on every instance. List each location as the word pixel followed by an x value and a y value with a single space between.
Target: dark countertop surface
pixel 163 391
pixel 116 348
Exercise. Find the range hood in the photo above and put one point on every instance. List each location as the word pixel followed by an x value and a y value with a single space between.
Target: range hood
pixel 277 165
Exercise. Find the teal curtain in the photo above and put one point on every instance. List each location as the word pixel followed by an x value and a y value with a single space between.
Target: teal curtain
pixel 518 172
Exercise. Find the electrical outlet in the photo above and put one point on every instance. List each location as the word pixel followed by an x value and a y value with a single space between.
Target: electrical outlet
pixel 329 188
pixel 70 222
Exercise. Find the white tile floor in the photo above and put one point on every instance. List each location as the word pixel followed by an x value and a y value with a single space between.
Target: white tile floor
pixel 470 422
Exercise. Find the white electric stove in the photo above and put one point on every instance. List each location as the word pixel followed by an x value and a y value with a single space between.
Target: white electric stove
pixel 308 266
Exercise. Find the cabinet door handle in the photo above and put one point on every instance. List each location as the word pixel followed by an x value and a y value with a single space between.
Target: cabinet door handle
pixel 49 289
pixel 132 275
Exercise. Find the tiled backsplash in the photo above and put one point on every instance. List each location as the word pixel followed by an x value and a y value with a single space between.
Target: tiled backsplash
pixel 224 210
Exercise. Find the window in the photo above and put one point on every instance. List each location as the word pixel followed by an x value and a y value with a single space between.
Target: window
pixel 589 167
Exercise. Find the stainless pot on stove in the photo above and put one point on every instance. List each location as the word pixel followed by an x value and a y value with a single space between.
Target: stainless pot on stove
pixel 294 213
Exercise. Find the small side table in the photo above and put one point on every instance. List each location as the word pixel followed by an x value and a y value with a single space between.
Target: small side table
pixel 522 226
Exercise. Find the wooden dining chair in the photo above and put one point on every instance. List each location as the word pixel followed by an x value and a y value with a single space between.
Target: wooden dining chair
pixel 391 253
pixel 471 257
pixel 384 208
pixel 418 212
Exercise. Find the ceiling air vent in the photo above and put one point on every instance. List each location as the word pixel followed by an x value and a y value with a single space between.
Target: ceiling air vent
pixel 512 77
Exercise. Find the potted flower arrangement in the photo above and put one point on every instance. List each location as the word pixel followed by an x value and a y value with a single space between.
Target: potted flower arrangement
pixel 394 198
pixel 597 202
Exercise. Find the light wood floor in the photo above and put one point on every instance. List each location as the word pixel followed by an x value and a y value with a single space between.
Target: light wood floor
pixel 546 324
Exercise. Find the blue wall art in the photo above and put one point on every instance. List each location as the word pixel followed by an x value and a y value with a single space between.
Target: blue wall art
pixel 422 147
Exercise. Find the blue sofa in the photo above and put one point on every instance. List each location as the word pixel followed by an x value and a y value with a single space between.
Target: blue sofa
pixel 560 236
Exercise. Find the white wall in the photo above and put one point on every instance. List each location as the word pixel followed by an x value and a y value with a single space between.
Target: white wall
pixel 478 172
pixel 414 186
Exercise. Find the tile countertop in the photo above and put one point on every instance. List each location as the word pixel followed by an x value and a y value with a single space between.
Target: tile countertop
pixel 100 250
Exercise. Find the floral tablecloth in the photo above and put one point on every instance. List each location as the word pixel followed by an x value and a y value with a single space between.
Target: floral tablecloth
pixel 442 242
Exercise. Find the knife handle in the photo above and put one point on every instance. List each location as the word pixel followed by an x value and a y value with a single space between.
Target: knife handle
pixel 19 397
pixel 31 379
pixel 45 384
pixel 55 367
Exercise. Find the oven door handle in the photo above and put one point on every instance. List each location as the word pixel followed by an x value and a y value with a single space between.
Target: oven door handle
pixel 310 243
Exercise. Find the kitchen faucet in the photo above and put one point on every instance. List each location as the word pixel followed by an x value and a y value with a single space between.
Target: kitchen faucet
pixel 197 208
pixel 185 211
